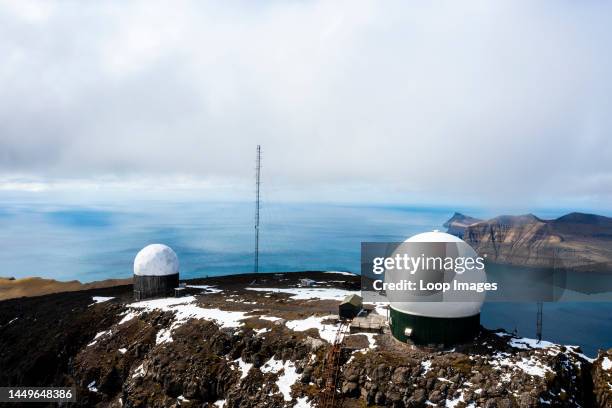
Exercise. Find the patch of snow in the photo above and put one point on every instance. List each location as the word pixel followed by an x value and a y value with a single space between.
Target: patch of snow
pixel 244 367
pixel 270 318
pixel 164 336
pixel 525 343
pixel 341 273
pixel 326 331
pixel 530 365
pixel 101 299
pixel 92 387
pixel 127 316
pixel 207 288
pixel 287 379
pixel 302 403
pixel 371 340
pixel 381 308
pixel 272 366
pixel 426 365
pixel 606 364
pixel 182 399
pixel 452 403
pixel 310 293
pixel 122 350
pixel 102 333
pixel 139 371
pixel 574 350
pixel 261 331
pixel 553 349
pixel 185 309
pixel 219 403
pixel 97 336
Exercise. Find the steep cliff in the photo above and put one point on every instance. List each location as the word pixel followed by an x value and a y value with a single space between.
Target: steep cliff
pixel 576 241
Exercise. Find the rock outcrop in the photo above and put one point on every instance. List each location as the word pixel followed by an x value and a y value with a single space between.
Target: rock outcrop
pixel 229 346
pixel 457 224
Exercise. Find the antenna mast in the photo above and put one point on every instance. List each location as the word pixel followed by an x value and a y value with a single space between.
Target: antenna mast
pixel 257 183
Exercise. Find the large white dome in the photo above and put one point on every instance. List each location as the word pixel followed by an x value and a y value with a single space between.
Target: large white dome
pixel 439 304
pixel 156 260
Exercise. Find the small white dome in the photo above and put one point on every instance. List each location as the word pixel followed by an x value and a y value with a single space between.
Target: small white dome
pixel 434 236
pixel 156 260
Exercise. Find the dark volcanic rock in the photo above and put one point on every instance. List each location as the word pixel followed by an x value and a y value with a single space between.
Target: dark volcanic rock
pixel 117 354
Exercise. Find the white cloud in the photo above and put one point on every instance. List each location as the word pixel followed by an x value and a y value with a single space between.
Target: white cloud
pixel 503 101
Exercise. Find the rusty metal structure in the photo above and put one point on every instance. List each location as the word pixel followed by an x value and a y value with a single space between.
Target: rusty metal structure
pixel 331 369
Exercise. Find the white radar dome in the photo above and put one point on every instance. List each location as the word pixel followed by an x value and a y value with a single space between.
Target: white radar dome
pixel 437 304
pixel 156 260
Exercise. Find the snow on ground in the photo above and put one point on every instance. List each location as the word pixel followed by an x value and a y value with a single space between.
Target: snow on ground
pixel 164 336
pixel 127 316
pixel 371 339
pixel 122 350
pixel 302 403
pixel 525 343
pixel 272 366
pixel 310 293
pixel 326 331
pixel 184 309
pixel 220 403
pixel 341 273
pixel 553 349
pixel 97 336
pixel 101 299
pixel 244 367
pixel 426 365
pixel 286 379
pixel 92 387
pixel 261 331
pixel 382 308
pixel 606 364
pixel 452 403
pixel 270 318
pixel 207 288
pixel 530 365
pixel 139 371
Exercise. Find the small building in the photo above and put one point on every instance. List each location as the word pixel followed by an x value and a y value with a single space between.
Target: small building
pixel 156 272
pixel 307 282
pixel 350 307
pixel 181 290
pixel 371 323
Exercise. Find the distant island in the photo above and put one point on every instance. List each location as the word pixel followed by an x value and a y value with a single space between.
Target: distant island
pixel 576 241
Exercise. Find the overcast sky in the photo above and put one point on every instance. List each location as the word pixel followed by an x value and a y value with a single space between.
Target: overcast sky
pixel 495 102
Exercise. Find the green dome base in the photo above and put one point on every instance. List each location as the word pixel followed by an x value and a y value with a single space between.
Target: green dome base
pixel 433 330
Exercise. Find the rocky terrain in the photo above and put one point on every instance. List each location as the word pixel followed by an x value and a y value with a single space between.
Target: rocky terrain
pixel 575 241
pixel 263 341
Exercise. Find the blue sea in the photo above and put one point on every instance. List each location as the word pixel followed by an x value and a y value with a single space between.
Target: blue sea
pixel 95 241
